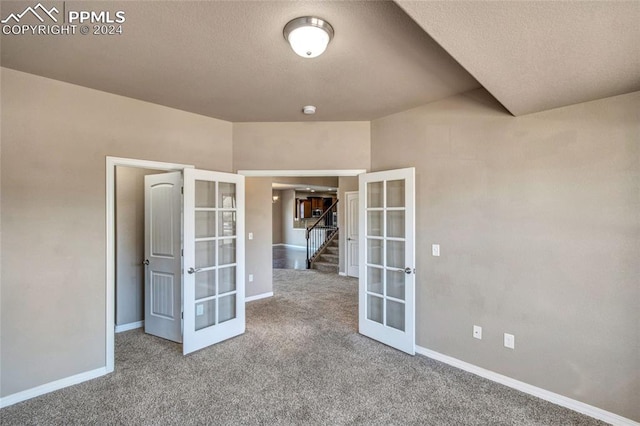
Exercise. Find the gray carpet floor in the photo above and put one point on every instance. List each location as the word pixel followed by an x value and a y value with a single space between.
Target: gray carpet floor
pixel 301 361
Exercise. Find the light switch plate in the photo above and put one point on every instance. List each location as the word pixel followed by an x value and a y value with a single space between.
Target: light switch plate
pixel 250 278
pixel 435 249
pixel 251 235
pixel 509 341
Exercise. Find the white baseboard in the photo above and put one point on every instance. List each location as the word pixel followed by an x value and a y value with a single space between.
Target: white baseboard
pixel 290 246
pixel 555 398
pixel 51 386
pixel 258 297
pixel 130 326
pixel 342 274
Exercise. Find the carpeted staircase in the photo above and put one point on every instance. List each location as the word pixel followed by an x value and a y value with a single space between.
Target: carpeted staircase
pixel 327 260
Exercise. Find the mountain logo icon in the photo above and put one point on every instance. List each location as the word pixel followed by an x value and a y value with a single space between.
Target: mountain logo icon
pixel 34 11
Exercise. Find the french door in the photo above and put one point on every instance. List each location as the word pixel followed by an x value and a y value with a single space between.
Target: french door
pixel 387 257
pixel 213 268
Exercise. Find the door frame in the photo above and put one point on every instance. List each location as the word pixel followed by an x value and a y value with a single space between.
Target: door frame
pixel 346 252
pixel 301 173
pixel 111 163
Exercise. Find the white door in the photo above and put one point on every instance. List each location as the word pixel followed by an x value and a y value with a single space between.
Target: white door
pixel 163 270
pixel 353 257
pixel 387 258
pixel 213 258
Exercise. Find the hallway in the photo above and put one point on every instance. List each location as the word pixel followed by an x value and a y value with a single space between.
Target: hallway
pixel 289 257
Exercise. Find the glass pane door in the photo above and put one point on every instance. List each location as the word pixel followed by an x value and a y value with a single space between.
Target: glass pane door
pixel 387 262
pixel 213 258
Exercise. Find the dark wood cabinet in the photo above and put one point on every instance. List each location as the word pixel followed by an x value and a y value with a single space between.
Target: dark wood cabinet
pixel 316 203
pixel 304 209
pixel 312 207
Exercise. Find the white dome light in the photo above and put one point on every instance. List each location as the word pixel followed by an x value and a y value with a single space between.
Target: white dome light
pixel 308 36
pixel 308 42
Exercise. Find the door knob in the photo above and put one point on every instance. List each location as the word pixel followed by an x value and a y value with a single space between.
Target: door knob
pixel 408 270
pixel 146 262
pixel 193 270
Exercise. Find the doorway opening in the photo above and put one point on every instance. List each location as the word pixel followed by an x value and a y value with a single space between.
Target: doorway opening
pixel 111 164
pixel 129 246
pixel 343 181
pixel 301 204
pixel 193 255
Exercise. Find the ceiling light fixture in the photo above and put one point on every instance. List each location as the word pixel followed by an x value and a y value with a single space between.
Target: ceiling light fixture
pixel 309 110
pixel 308 35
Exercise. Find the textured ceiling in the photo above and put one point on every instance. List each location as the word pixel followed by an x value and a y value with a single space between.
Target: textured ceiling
pixel 229 60
pixel 539 55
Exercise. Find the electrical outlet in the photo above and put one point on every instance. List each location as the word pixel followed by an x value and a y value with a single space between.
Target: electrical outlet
pixel 199 309
pixel 435 249
pixel 477 332
pixel 250 278
pixel 509 341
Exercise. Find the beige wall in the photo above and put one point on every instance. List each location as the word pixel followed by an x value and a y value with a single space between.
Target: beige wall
pixel 276 219
pixel 328 181
pixel 258 261
pixel 301 146
pixel 130 243
pixel 290 235
pixel 539 226
pixel 55 137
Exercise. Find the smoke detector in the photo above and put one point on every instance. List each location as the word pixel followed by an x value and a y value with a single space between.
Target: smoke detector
pixel 309 110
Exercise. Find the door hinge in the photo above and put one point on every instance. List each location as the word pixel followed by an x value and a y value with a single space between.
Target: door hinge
pixel 182 315
pixel 182 189
pixel 182 252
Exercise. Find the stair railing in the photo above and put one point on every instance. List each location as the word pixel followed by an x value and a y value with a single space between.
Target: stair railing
pixel 321 232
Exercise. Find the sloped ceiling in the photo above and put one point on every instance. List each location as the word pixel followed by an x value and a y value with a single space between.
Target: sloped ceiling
pixel 538 55
pixel 229 59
